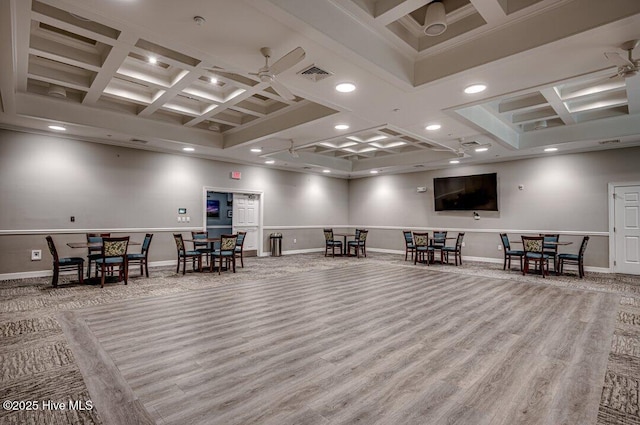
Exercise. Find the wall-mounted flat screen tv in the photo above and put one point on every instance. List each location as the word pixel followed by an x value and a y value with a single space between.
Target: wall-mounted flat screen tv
pixel 463 193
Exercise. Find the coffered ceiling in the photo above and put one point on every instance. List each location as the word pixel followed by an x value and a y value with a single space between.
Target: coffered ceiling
pixel 163 75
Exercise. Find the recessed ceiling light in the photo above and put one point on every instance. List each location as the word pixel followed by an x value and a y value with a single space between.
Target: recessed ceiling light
pixel 153 60
pixel 482 149
pixel 550 149
pixel 326 171
pixel 454 161
pixel 341 127
pixel 57 128
pixel 433 127
pixel 475 88
pixel 270 161
pixel 345 87
pixel 188 149
pixel 374 171
pixel 256 150
pixel 214 80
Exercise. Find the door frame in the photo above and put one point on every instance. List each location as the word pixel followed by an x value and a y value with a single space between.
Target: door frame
pixel 260 194
pixel 612 237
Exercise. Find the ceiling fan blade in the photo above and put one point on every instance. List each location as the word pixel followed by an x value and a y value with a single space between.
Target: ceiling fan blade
pixel 617 59
pixel 288 60
pixel 282 90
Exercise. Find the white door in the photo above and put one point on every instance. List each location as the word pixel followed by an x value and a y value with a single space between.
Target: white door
pixel 246 218
pixel 627 229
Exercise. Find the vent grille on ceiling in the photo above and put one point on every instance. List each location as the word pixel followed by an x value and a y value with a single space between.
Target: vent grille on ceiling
pixel 314 73
pixel 608 142
pixel 471 144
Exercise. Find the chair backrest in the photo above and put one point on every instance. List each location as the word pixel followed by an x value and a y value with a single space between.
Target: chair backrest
pixel 240 240
pixel 358 234
pixel 228 243
pixel 328 235
pixel 96 238
pixel 52 249
pixel 146 243
pixel 533 244
pixel 459 240
pixel 550 238
pixel 115 247
pixel 505 242
pixel 583 246
pixel 408 237
pixel 199 235
pixel 421 239
pixel 177 237
pixel 440 237
pixel 362 236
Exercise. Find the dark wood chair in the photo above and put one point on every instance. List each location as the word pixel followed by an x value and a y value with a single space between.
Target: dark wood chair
pixel 63 264
pixel 438 242
pixel 574 258
pixel 550 247
pixel 409 246
pixel 456 250
pixel 359 244
pixel 239 251
pixel 93 253
pixel 330 243
pixel 183 254
pixel 113 254
pixel 142 258
pixel 424 250
pixel 508 252
pixel 227 252
pixel 534 251
pixel 203 247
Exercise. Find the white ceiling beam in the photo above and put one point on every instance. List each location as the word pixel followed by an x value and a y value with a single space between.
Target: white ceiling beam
pixel 488 121
pixel 21 12
pixel 553 97
pixel 8 75
pixel 171 92
pixel 388 11
pixel 112 63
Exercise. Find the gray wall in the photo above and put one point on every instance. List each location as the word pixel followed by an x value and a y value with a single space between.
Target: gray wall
pixel 45 180
pixel 562 193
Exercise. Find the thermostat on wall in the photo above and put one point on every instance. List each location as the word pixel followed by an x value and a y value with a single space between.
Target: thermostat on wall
pixel 421 189
pixel 182 210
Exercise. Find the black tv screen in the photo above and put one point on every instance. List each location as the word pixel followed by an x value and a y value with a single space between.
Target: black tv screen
pixel 463 193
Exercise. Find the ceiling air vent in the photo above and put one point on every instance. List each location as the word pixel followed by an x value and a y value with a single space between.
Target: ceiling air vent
pixel 139 141
pixel 314 73
pixel 471 144
pixel 609 142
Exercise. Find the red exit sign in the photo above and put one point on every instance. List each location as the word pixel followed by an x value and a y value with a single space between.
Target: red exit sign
pixel 236 175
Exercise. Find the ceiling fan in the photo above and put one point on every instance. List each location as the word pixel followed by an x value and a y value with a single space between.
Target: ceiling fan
pixel 267 74
pixel 627 67
pixel 465 147
pixel 292 150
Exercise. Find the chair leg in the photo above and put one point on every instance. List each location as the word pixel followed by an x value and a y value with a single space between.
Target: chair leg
pixel 80 273
pixel 103 269
pixel 56 274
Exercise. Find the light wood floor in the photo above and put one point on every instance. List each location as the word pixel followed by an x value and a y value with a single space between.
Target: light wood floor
pixel 376 345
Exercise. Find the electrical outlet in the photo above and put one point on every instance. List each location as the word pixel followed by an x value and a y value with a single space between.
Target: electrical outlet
pixel 188 219
pixel 463 244
pixel 179 219
pixel 499 247
pixel 36 255
pixel 295 240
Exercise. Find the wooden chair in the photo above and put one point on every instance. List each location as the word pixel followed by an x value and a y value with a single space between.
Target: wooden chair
pixel 227 252
pixel 330 243
pixel 184 254
pixel 204 248
pixel 574 258
pixel 113 254
pixel 424 251
pixel 359 244
pixel 239 251
pixel 534 251
pixel 65 263
pixel 456 250
pixel 409 246
pixel 551 248
pixel 439 241
pixel 93 253
pixel 508 252
pixel 142 258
